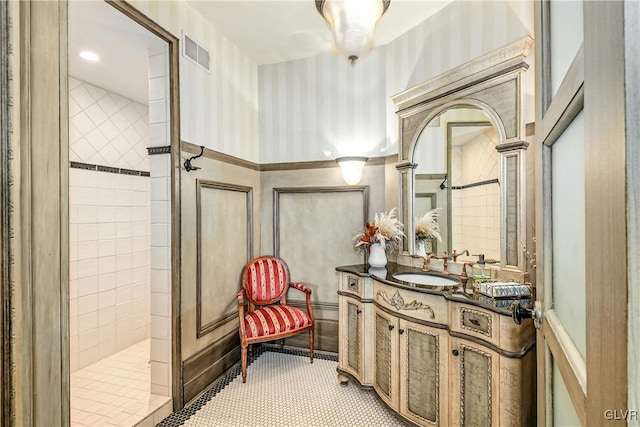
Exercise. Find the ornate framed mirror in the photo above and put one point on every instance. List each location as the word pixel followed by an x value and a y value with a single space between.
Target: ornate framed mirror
pixel 462 149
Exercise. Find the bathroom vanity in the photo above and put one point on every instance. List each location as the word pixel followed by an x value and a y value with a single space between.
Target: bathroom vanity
pixel 435 354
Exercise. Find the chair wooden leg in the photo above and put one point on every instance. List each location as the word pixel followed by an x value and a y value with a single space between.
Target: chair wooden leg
pixel 281 343
pixel 243 352
pixel 311 345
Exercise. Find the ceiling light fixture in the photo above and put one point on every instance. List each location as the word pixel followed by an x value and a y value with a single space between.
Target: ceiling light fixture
pixel 352 168
pixel 89 56
pixel 352 23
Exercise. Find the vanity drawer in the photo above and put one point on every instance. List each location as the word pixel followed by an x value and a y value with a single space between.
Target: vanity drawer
pixel 417 305
pixel 352 284
pixel 477 322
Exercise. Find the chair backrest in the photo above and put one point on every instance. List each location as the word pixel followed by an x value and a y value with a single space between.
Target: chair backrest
pixel 265 280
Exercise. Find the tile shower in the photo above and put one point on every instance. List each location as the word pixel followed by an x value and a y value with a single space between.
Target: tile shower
pixel 119 222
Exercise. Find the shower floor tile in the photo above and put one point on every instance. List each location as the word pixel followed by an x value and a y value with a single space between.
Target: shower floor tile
pixel 115 391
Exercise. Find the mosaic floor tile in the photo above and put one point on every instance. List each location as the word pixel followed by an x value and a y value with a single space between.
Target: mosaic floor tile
pixel 284 389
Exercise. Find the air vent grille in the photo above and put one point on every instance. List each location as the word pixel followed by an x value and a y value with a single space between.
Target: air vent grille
pixel 196 53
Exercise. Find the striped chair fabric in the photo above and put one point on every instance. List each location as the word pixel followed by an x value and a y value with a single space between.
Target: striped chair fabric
pixel 265 279
pixel 275 320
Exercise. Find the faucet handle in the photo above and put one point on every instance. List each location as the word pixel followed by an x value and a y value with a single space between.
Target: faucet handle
pixel 480 258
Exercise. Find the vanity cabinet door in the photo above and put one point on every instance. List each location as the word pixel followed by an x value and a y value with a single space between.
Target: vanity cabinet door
pixel 424 378
pixel 385 377
pixel 351 351
pixel 474 385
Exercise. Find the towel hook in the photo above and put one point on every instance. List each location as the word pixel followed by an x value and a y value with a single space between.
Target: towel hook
pixel 187 163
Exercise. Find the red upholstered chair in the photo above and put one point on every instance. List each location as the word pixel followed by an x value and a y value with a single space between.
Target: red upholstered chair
pixel 265 281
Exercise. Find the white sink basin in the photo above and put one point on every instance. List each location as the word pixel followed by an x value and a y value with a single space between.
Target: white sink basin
pixel 425 279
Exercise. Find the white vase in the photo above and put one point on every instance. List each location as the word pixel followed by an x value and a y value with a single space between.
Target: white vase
pixel 420 248
pixel 377 256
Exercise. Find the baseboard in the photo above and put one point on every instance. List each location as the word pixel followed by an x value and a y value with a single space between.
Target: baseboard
pixel 204 367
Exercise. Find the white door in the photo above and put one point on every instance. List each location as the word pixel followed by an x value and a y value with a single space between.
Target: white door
pixel 580 214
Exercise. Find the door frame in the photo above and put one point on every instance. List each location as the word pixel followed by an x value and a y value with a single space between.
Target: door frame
pixel 35 174
pixel 595 84
pixel 176 168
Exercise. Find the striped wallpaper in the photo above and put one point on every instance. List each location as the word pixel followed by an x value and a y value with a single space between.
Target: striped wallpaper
pixel 322 104
pixel 219 108
pixel 321 107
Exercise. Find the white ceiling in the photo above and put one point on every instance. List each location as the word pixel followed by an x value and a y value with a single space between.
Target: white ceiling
pixel 121 44
pixel 267 31
pixel 275 31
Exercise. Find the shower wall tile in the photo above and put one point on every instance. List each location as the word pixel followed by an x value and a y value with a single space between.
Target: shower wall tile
pixel 107 129
pixel 110 264
pixel 160 228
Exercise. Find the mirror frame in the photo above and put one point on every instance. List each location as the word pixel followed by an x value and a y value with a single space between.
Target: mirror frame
pixel 494 83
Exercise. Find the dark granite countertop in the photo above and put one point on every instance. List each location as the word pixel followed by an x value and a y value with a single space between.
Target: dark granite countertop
pixel 463 292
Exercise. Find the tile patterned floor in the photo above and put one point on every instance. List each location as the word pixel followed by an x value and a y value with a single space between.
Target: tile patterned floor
pixel 115 390
pixel 312 394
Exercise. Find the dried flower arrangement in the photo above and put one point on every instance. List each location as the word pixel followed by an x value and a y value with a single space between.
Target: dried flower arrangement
pixel 385 229
pixel 427 226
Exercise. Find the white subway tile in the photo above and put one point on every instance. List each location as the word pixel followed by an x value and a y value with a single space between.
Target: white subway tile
pixel 85 268
pixel 106 247
pixel 139 305
pixel 87 250
pixel 139 228
pixel 158 136
pixel 123 214
pixel 87 286
pixel 123 310
pixel 157 65
pixel 73 289
pixel 160 350
pixel 160 327
pixel 159 189
pixel 139 244
pixel 106 231
pixel 106 265
pixel 123 294
pixel 157 111
pixel 87 357
pixel 106 299
pixel 159 235
pixel 159 258
pixel 87 304
pixel 159 212
pixel 107 315
pixel 140 290
pixel 123 262
pixel 140 274
pixel 160 281
pixel 160 373
pixel 106 282
pixel 139 259
pixel 156 88
pixel 73 308
pixel 87 323
pixel 123 278
pixel 123 230
pixel 106 348
pixel 73 251
pixel 87 232
pixel 160 391
pixel 160 304
pixel 107 332
pixel 86 196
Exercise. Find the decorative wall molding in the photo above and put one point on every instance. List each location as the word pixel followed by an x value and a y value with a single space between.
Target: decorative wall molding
pixel 201 329
pixel 364 189
pixel 109 169
pixel 270 167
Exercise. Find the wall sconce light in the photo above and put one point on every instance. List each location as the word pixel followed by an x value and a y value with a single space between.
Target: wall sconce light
pixel 352 23
pixel 352 168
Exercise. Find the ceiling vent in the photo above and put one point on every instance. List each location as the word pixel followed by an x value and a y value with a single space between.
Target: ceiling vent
pixel 195 52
